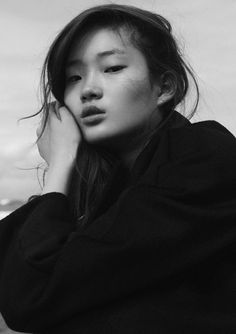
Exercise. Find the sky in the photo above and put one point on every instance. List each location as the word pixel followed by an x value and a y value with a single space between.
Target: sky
pixel 205 30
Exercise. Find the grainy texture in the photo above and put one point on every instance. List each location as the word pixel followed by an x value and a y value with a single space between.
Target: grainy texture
pixel 157 256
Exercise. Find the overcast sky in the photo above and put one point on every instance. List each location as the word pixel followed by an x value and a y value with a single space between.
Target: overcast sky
pixel 205 28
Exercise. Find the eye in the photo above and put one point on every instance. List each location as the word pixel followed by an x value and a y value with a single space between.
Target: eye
pixel 114 68
pixel 73 78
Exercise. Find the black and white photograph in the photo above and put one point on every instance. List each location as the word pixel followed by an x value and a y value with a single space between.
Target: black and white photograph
pixel 118 167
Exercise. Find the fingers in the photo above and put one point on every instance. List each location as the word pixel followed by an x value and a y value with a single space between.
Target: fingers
pixel 38 131
pixel 42 124
pixel 57 106
pixel 62 111
pixel 40 127
pixel 55 109
pixel 45 116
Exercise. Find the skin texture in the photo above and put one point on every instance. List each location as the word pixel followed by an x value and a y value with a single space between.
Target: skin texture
pixel 119 84
pixel 61 137
pixel 58 147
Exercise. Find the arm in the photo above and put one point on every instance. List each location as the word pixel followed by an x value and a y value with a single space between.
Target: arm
pixel 58 146
pixel 58 177
pixel 70 272
pixel 153 233
pixel 150 235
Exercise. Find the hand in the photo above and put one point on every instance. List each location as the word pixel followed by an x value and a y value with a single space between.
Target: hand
pixel 61 137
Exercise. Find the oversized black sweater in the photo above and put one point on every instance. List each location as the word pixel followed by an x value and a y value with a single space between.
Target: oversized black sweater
pixel 157 256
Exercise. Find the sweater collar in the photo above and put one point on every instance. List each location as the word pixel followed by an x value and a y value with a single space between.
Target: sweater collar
pixel 121 177
pixel 174 120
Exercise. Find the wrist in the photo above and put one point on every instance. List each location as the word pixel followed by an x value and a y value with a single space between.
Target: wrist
pixel 62 161
pixel 58 177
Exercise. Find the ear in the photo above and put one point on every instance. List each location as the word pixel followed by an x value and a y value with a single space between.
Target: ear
pixel 167 88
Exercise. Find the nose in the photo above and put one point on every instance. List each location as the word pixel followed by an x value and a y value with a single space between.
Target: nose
pixel 91 90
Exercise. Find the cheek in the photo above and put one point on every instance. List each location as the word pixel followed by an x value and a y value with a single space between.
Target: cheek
pixel 137 90
pixel 68 96
pixel 71 100
pixel 72 104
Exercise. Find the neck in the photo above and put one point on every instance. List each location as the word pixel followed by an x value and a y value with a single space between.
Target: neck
pixel 128 158
pixel 128 148
pixel 136 145
pixel 132 151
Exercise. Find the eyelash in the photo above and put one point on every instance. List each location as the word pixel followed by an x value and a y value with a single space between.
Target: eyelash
pixel 74 78
pixel 118 66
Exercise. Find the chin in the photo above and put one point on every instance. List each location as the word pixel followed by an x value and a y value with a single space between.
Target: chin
pixel 94 137
pixel 103 138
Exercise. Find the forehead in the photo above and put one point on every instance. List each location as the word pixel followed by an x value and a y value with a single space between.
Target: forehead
pixel 101 43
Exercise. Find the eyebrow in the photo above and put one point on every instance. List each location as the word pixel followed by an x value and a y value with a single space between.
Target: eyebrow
pixel 99 55
pixel 110 52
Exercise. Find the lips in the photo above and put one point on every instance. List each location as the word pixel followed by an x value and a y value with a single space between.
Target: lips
pixel 91 110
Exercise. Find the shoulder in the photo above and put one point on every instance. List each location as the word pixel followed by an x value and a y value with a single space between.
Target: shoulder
pixel 195 158
pixel 200 138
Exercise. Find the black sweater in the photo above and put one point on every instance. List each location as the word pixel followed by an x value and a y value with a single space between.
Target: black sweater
pixel 157 256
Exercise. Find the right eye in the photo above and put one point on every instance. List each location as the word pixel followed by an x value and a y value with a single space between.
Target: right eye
pixel 73 78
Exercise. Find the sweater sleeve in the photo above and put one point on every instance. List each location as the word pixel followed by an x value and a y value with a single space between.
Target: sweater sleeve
pixel 50 270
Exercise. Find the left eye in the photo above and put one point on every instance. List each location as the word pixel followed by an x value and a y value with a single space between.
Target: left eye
pixel 114 68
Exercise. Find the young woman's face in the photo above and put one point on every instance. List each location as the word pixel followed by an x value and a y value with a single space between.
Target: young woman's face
pixel 107 72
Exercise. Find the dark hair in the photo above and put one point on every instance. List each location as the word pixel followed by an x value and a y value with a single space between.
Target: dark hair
pixel 152 35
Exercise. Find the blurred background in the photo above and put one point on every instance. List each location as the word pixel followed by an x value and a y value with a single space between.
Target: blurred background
pixel 205 30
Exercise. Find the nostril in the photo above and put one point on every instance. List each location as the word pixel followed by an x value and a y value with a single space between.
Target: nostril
pixel 89 96
pixel 91 93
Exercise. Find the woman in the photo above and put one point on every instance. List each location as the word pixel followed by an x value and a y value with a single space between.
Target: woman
pixel 134 230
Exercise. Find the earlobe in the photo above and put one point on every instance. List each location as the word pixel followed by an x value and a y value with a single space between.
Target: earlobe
pixel 167 88
pixel 164 97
